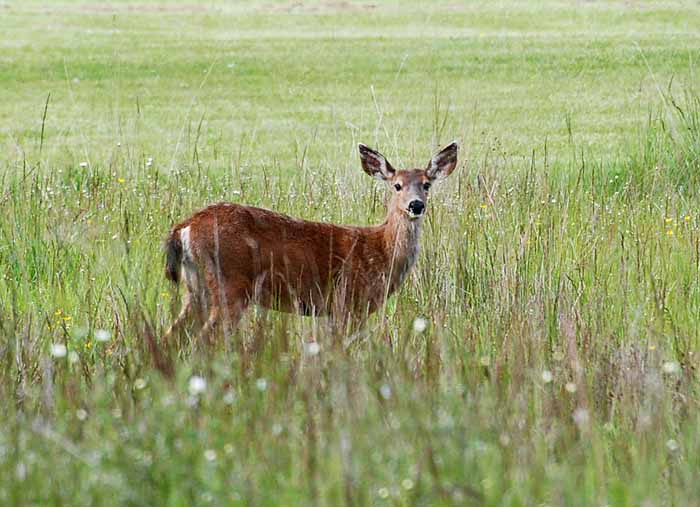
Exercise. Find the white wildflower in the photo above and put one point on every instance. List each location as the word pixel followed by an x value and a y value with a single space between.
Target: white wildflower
pixel 385 391
pixel 102 335
pixel 312 348
pixel 581 417
pixel 229 398
pixel 671 367
pixel 672 445
pixel 197 385
pixel 419 325
pixel 58 350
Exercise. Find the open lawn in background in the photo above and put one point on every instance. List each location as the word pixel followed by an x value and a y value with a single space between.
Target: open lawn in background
pixel 545 349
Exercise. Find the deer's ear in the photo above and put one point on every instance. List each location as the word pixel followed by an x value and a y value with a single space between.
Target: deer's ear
pixel 443 163
pixel 375 164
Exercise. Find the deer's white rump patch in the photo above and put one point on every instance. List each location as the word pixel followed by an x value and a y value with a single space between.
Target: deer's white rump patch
pixel 186 244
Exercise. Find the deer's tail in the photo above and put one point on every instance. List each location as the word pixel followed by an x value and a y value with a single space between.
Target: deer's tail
pixel 173 256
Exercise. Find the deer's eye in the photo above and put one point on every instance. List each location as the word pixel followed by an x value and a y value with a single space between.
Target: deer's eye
pixel 398 187
pixel 426 186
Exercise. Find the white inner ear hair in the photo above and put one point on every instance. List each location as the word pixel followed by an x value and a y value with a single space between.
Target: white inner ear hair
pixel 381 170
pixel 433 166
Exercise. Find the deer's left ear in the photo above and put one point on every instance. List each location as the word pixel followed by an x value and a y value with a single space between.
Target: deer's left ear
pixel 375 164
pixel 443 163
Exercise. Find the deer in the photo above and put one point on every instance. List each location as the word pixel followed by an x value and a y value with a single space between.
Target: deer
pixel 233 255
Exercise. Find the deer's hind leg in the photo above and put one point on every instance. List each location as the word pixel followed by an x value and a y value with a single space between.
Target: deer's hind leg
pixel 194 301
pixel 227 306
pixel 182 318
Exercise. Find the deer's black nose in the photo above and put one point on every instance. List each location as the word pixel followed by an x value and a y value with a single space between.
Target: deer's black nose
pixel 416 207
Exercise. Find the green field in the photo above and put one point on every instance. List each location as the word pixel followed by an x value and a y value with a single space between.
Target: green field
pixel 559 275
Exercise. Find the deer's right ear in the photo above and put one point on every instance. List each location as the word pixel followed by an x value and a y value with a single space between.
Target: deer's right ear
pixel 443 163
pixel 375 164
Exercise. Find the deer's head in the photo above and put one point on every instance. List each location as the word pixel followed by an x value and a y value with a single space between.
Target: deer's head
pixel 410 186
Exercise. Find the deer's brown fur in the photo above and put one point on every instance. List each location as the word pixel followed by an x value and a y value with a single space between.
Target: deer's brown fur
pixel 231 255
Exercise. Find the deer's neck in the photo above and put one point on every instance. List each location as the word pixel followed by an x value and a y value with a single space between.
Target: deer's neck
pixel 401 237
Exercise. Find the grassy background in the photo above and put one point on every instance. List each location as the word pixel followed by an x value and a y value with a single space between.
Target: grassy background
pixel 278 74
pixel 559 275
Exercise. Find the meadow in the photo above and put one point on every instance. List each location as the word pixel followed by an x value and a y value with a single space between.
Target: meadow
pixel 545 349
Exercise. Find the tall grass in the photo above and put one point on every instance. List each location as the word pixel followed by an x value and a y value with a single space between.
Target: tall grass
pixel 558 366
